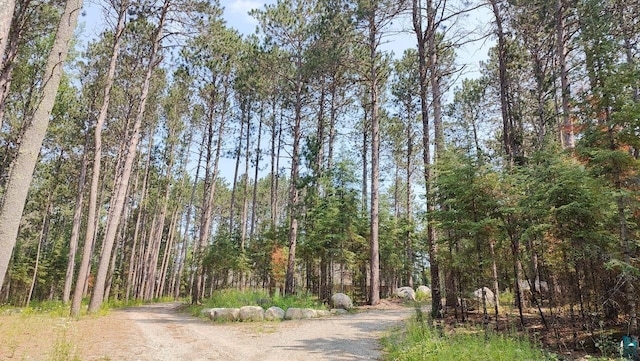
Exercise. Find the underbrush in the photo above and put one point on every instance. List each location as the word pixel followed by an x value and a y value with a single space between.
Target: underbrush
pixel 420 341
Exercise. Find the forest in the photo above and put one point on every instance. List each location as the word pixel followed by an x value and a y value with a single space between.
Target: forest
pixel 172 156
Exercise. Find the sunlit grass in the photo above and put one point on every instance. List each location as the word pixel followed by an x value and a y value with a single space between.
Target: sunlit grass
pixel 419 341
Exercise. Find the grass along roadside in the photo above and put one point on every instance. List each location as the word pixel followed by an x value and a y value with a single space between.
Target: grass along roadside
pixel 418 341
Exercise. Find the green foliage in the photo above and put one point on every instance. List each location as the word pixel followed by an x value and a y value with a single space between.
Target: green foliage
pixel 422 342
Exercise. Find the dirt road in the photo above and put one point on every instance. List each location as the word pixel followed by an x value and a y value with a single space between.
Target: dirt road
pixel 158 332
pixel 169 335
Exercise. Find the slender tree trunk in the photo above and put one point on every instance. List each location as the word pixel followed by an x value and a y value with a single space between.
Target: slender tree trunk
pixel 374 297
pixel 6 15
pixel 75 228
pixel 254 198
pixel 505 107
pixel 44 232
pixel 237 168
pixel 293 186
pixel 568 139
pixel 9 50
pixel 274 168
pixel 167 254
pixel 436 295
pixel 409 204
pixel 119 199
pixel 210 179
pixel 83 272
pixel 245 190
pixel 21 172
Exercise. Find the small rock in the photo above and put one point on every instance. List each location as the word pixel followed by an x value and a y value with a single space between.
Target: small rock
pixel 274 314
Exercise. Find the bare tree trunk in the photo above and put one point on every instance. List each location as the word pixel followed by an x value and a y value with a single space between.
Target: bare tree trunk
pixel 245 190
pixel 274 169
pixel 374 297
pixel 293 181
pixel 423 38
pixel 21 172
pixel 243 107
pixel 210 180
pixel 83 272
pixel 254 198
pixel 6 15
pixel 409 204
pixel 44 231
pixel 167 254
pixel 568 138
pixel 119 199
pixel 9 44
pixel 75 228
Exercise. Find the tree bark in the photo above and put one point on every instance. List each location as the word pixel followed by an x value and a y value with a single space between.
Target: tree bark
pixel 293 186
pixel 567 134
pixel 75 228
pixel 119 199
pixel 374 296
pixel 423 36
pixel 6 15
pixel 83 271
pixel 21 172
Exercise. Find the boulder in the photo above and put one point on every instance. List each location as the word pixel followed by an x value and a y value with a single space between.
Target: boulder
pixel 251 313
pixel 274 314
pixel 423 290
pixel 488 294
pixel 294 313
pixel 310 313
pixel 338 311
pixel 407 293
pixel 323 313
pixel 206 312
pixel 340 300
pixel 212 312
pixel 226 314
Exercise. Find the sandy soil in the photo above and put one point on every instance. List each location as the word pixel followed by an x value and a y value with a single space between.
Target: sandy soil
pixel 160 332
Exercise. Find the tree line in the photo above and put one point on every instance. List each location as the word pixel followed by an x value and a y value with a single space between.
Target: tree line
pixel 354 169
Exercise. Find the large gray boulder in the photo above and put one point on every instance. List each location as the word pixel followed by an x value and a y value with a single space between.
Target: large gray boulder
pixel 226 314
pixel 488 294
pixel 295 313
pixel 423 290
pixel 251 313
pixel 340 300
pixel 211 312
pixel 274 313
pixel 407 293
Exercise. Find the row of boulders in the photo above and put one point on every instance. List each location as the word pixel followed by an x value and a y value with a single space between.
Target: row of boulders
pixel 257 313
